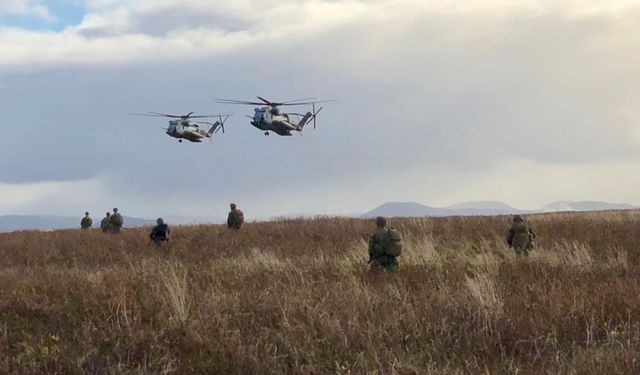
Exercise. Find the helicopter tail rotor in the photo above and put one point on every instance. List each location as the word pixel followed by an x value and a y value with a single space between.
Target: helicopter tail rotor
pixel 308 117
pixel 215 127
pixel 315 114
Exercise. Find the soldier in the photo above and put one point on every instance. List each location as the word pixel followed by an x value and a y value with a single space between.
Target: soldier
pixel 235 218
pixel 384 247
pixel 520 237
pixel 86 221
pixel 116 221
pixel 104 224
pixel 160 233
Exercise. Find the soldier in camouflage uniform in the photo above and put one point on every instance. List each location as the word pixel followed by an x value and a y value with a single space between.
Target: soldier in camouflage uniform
pixel 86 221
pixel 235 218
pixel 115 221
pixel 160 234
pixel 104 224
pixel 520 237
pixel 378 257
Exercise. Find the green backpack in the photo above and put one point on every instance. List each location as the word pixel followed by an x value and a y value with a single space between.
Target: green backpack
pixel 393 245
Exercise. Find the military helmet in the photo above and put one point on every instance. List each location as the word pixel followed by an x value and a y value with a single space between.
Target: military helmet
pixel 233 206
pixel 518 219
pixel 381 221
pixel 160 221
pixel 115 210
pixel 86 213
pixel 108 213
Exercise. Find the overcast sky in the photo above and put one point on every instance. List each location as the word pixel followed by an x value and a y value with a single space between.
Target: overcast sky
pixel 439 102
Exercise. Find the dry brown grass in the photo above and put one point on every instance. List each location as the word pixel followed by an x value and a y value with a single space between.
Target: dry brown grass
pixel 295 296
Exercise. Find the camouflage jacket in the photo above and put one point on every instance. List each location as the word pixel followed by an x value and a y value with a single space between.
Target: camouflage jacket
pixel 235 219
pixel 377 243
pixel 520 237
pixel 116 220
pixel 86 222
pixel 160 232
pixel 104 224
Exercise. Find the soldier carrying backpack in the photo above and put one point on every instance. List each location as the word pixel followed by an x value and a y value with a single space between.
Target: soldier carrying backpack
pixel 115 221
pixel 160 233
pixel 86 221
pixel 385 245
pixel 104 224
pixel 235 218
pixel 520 237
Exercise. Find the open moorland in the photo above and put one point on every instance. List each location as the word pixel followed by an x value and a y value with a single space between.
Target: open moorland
pixel 295 296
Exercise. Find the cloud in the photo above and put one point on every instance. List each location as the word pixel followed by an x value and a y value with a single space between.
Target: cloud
pixel 166 31
pixel 26 8
pixel 50 197
pixel 438 102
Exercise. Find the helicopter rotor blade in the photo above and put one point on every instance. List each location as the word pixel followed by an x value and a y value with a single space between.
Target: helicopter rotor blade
pixel 266 101
pixel 183 117
pixel 201 116
pixel 298 100
pixel 163 114
pixel 233 101
pixel 315 115
pixel 307 103
pixel 288 102
pixel 156 114
pixel 304 101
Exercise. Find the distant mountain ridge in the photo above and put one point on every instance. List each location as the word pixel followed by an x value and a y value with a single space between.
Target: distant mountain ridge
pixel 486 208
pixel 10 223
pixel 585 206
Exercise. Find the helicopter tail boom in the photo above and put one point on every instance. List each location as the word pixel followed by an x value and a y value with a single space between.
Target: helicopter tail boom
pixel 214 127
pixel 304 120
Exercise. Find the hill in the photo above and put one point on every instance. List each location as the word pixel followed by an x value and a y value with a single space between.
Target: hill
pixel 9 223
pixel 411 209
pixel 568 206
pixel 295 296
pixel 485 208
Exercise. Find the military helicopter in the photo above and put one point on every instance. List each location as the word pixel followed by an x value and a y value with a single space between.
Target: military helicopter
pixel 268 117
pixel 183 128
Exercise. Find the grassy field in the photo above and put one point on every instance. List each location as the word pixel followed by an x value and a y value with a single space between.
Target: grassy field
pixel 295 296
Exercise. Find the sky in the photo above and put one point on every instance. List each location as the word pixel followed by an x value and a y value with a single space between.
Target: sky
pixel 437 102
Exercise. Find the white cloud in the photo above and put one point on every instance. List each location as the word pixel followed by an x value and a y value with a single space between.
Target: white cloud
pixel 125 31
pixel 132 31
pixel 115 33
pixel 50 197
pixel 26 8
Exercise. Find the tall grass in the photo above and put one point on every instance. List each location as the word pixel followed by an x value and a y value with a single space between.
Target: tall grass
pixel 295 296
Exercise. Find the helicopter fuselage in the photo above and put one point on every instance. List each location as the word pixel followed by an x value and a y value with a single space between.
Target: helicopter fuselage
pixel 268 119
pixel 181 129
